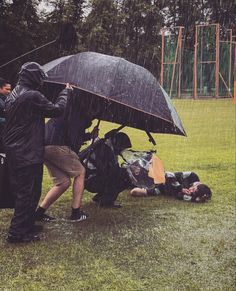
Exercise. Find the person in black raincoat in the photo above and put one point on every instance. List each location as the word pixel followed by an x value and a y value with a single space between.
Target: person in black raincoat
pixel 5 89
pixel 23 138
pixel 63 139
pixel 104 176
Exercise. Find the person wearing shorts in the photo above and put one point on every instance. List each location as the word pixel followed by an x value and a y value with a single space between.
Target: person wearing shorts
pixel 63 139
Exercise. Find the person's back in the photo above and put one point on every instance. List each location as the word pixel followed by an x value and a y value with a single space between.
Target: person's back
pixel 101 161
pixel 69 129
pixel 26 109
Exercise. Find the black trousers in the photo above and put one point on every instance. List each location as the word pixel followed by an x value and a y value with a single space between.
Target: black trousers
pixel 108 187
pixel 26 186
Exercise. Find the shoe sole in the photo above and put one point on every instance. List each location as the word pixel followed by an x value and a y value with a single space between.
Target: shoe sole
pixel 77 220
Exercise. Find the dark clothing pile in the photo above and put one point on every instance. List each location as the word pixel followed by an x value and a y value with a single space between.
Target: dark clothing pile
pixel 104 176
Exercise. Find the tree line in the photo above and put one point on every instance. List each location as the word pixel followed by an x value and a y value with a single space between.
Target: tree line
pixel 126 28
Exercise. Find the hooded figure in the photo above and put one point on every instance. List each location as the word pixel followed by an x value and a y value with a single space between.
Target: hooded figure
pixel 23 139
pixel 5 89
pixel 104 176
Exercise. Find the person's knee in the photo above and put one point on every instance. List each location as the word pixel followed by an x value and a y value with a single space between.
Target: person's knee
pixel 81 176
pixel 82 172
pixel 65 184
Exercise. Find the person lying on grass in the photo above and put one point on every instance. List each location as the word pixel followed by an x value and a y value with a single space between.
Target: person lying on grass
pixel 147 174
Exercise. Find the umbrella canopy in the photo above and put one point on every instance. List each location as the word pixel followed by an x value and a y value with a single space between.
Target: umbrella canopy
pixel 128 94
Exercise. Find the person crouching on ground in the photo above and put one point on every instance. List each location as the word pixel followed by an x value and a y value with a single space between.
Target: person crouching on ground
pixel 104 176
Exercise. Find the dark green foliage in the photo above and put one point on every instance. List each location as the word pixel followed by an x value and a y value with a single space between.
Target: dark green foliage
pixel 127 28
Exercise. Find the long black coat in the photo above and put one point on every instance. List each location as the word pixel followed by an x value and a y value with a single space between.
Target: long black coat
pixel 24 130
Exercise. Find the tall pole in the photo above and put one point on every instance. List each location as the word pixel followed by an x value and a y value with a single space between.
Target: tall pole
pixel 162 56
pixel 230 58
pixel 174 66
pixel 217 60
pixel 195 95
pixel 180 60
pixel 235 71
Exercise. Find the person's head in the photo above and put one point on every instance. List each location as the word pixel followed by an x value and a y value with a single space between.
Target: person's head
pixel 32 74
pixel 120 142
pixel 5 87
pixel 198 192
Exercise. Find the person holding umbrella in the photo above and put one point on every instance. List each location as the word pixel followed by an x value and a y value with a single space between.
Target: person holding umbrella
pixel 23 139
pixel 64 138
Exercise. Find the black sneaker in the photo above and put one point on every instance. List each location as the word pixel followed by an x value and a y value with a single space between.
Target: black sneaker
pixel 27 238
pixel 78 216
pixel 44 217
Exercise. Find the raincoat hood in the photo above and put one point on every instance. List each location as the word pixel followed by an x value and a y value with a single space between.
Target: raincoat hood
pixel 32 75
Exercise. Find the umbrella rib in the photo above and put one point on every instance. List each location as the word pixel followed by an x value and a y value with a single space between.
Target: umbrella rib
pixel 110 99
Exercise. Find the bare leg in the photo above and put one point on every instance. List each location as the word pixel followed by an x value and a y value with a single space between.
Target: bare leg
pixel 54 193
pixel 78 190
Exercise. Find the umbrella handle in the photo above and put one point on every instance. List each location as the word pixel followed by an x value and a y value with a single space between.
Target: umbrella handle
pixel 151 139
pixel 91 148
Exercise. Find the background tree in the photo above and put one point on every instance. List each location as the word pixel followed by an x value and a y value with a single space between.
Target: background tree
pixel 101 26
pixel 141 23
pixel 127 28
pixel 19 32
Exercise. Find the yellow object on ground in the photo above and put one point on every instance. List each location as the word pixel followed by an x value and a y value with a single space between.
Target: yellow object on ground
pixel 156 170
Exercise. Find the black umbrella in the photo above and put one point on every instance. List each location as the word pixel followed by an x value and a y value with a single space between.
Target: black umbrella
pixel 128 94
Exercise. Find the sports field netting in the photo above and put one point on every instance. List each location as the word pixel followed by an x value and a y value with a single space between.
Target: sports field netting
pixel 200 63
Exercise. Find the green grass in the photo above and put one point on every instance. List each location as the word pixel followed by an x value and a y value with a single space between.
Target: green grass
pixel 150 243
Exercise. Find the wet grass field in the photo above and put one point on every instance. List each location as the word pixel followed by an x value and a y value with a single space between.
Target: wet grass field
pixel 154 243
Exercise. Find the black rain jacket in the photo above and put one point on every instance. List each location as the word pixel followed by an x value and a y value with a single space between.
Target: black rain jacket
pixel 69 129
pixel 24 130
pixel 2 118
